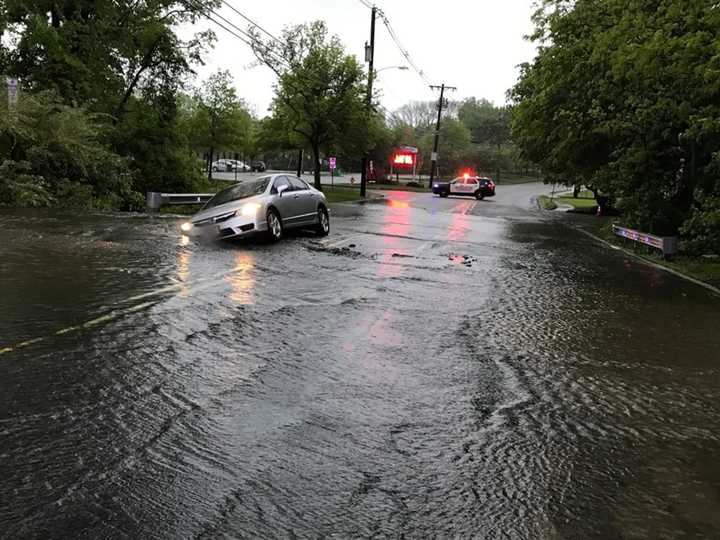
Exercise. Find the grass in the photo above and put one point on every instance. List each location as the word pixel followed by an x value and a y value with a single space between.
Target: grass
pixel 339 194
pixel 546 203
pixel 513 178
pixel 398 187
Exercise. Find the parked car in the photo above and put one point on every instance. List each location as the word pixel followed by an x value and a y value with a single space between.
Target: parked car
pixel 472 186
pixel 270 205
pixel 229 165
pixel 258 166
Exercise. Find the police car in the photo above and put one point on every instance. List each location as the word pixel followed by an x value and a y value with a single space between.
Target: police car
pixel 471 186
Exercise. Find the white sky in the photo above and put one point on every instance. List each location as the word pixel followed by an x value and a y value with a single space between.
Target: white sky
pixel 475 45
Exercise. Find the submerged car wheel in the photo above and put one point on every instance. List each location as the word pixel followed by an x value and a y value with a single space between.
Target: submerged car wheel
pixel 275 228
pixel 323 226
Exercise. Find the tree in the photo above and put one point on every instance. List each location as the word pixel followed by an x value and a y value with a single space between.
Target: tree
pixel 454 145
pixel 51 152
pixel 319 96
pixel 121 59
pixel 418 115
pixel 487 123
pixel 623 97
pixel 218 119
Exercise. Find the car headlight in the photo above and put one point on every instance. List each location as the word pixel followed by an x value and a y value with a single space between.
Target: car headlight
pixel 249 209
pixel 186 227
pixel 436 185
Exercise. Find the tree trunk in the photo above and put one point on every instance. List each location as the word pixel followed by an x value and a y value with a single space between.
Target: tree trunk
pixel 210 161
pixel 316 167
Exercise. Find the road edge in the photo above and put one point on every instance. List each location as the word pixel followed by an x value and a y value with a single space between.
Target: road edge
pixel 677 273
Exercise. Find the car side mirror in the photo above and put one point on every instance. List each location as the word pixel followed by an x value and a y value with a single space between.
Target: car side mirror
pixel 281 189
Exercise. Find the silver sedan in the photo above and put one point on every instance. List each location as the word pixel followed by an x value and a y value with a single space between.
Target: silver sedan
pixel 270 205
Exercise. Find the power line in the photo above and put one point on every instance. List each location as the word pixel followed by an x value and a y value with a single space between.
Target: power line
pixel 396 39
pixel 402 49
pixel 204 8
pixel 248 19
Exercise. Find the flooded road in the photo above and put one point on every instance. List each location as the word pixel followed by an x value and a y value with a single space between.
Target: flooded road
pixel 446 368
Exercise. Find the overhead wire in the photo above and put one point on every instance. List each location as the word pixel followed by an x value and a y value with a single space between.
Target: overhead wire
pixel 248 19
pixel 403 50
pixel 251 41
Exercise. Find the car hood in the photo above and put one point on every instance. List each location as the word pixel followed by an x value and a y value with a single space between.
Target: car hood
pixel 224 209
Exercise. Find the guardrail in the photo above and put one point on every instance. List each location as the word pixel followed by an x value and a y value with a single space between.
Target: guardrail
pixel 155 200
pixel 667 244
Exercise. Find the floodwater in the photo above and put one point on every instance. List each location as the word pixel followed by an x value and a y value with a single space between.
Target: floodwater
pixel 433 368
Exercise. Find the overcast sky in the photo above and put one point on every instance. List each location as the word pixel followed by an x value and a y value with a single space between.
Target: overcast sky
pixel 475 45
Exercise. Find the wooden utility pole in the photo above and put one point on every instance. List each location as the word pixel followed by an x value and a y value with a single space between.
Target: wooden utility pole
pixel 434 156
pixel 370 59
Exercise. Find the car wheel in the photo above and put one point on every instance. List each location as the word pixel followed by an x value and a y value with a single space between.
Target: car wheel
pixel 323 226
pixel 443 194
pixel 214 169
pixel 479 195
pixel 274 224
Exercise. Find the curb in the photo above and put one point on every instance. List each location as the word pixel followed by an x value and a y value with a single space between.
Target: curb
pixel 711 288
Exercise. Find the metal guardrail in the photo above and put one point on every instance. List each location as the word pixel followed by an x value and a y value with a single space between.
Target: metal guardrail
pixel 155 200
pixel 667 244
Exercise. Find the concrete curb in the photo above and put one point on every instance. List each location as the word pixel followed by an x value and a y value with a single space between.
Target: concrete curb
pixel 648 263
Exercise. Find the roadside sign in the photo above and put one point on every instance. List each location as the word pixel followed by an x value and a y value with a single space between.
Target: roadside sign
pixel 332 163
pixel 434 156
pixel 12 89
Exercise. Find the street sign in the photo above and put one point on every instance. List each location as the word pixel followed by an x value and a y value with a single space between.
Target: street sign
pixel 332 163
pixel 434 156
pixel 12 89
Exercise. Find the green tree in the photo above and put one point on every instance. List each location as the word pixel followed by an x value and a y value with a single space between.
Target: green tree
pixel 487 123
pixel 319 96
pixel 218 119
pixel 623 97
pixel 453 148
pixel 121 59
pixel 51 153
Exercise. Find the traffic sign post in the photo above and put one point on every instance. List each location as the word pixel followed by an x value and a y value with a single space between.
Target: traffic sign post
pixel 332 164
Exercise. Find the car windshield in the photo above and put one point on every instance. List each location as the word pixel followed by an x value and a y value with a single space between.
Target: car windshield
pixel 239 191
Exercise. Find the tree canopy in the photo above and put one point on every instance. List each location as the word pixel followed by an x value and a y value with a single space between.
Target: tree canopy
pixel 623 97
pixel 319 96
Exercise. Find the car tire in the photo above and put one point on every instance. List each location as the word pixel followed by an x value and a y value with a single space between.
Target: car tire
pixel 323 226
pixel 214 169
pixel 443 194
pixel 479 195
pixel 274 225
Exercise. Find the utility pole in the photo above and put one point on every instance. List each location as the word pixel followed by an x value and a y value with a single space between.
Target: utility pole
pixel 434 156
pixel 370 59
pixel 300 163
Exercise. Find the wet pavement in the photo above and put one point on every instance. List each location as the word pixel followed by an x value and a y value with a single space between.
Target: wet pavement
pixel 433 368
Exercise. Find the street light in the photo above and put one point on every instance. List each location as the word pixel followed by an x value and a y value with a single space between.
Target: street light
pixel 401 68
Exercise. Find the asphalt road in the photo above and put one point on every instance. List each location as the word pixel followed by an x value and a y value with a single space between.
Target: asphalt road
pixel 433 368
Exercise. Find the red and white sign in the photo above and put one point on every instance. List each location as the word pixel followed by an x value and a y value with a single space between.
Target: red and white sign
pixel 405 157
pixel 332 163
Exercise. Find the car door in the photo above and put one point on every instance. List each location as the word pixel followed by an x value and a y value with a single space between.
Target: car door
pixel 284 201
pixel 304 199
pixel 456 186
pixel 472 185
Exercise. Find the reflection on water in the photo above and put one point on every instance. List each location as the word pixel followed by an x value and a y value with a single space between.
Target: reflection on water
pixel 183 270
pixel 240 279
